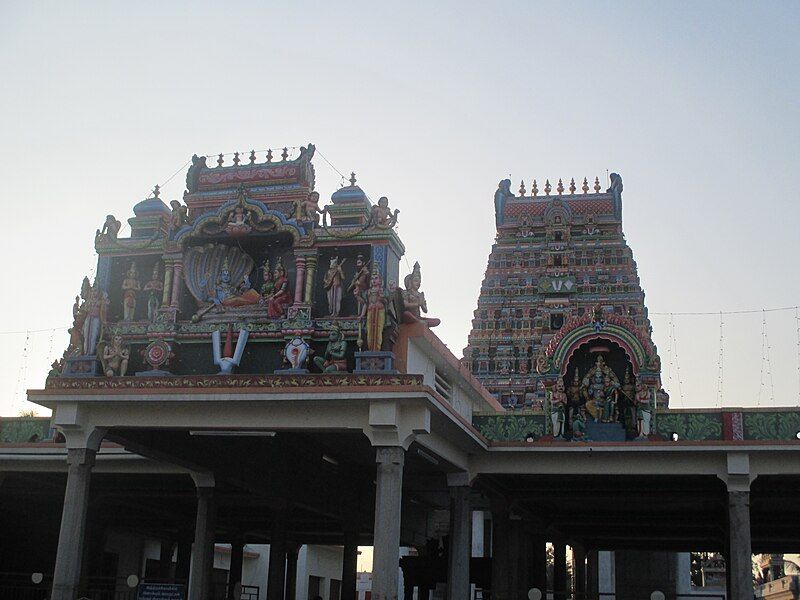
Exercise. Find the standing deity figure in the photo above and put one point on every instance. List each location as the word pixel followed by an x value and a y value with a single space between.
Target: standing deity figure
pixel 155 286
pixel 268 283
pixel 558 406
pixel 111 227
pixel 334 358
pixel 281 297
pixel 574 395
pixel 179 216
pixel 76 331
pixel 414 301
pixel 130 286
pixel 96 308
pixel 611 389
pixel 333 286
pixel 308 210
pixel 360 284
pixel 377 302
pixel 501 195
pixel 381 216
pixel 114 357
pixel 644 411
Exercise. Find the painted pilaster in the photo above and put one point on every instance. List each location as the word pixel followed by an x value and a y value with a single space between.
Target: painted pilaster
pixel 300 273
pixel 200 582
pixel 177 272
pixel 72 535
pixel 388 510
pixel 460 542
pixel 311 270
pixel 167 293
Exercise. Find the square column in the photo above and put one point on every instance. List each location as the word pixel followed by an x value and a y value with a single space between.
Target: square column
pixel 388 512
pixel 539 560
pixel 276 577
pixel 350 566
pixel 235 569
pixel 291 571
pixel 71 537
pixel 502 571
pixel 559 569
pixel 460 543
pixel 200 581
pixel 579 570
pixel 739 558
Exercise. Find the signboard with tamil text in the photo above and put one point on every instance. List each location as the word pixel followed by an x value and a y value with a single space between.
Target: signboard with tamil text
pixel 161 591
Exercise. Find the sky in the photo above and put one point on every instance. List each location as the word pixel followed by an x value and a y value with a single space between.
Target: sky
pixel 695 104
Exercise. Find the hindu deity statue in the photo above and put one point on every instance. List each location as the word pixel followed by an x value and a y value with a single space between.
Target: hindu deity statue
pixel 96 310
pixel 179 216
pixel 281 297
pixel 238 220
pixel 381 215
pixel 574 395
pixel 78 317
pixel 227 294
pixel 308 210
pixel 155 286
pixel 377 302
pixel 295 354
pixel 332 283
pixel 579 424
pixel 360 284
pixel 414 301
pixel 114 357
pixel 110 228
pixel 612 400
pixel 268 282
pixel 334 357
pixel 644 411
pixel 628 386
pixel 130 286
pixel 558 407
pixel 594 392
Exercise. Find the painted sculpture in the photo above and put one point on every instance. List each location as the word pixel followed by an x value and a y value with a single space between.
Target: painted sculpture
pixel 307 210
pixel 332 283
pixel 414 303
pixel 333 359
pixel 114 357
pixel 226 358
pixel 225 292
pixel 179 215
pixel 558 407
pixel 296 353
pixel 360 284
pixel 381 216
pixel 644 411
pixel 155 287
pixel 96 314
pixel 377 302
pixel 130 287
pixel 110 228
pixel 282 296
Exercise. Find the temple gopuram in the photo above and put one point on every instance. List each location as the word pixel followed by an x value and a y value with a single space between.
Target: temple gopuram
pixel 247 369
pixel 561 325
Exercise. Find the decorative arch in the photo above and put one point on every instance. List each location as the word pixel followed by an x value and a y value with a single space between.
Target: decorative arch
pixel 557 208
pixel 633 348
pixel 262 219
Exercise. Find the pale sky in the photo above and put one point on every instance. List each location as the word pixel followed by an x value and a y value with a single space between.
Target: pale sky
pixel 695 104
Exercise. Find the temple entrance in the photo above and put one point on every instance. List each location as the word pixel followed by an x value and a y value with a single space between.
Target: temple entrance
pixel 584 358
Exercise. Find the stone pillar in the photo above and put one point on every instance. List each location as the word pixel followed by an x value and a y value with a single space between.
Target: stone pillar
pixel 501 560
pixel 739 554
pixel 299 283
pixel 579 570
pixel 71 538
pixel 460 543
pixel 200 582
pixel 176 284
pixel 235 570
pixel 559 569
pixel 311 269
pixel 539 563
pixel 167 293
pixel 388 512
pixel 291 571
pixel 276 577
pixel 350 566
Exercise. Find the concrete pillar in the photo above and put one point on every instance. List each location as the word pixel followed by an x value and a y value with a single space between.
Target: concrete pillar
pixel 559 569
pixel 67 572
pixel 501 559
pixel 539 562
pixel 350 566
pixel 276 577
pixel 175 301
pixel 579 570
pixel 200 582
pixel 183 559
pixel 478 550
pixel 739 554
pixel 460 543
pixel 235 570
pixel 388 512
pixel 592 578
pixel 291 571
pixel 311 269
pixel 299 284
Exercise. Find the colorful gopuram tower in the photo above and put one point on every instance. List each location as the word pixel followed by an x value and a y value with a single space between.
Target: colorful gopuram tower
pixel 561 324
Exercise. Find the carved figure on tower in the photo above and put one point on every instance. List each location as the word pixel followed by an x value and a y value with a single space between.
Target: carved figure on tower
pixel 110 228
pixel 502 194
pixel 155 286
pixel 574 395
pixel 267 283
pixel 643 410
pixel 307 210
pixel 239 219
pixel 282 296
pixel 377 301
pixel 381 216
pixel 114 357
pixel 179 216
pixel 579 424
pixel 227 294
pixel 360 284
pixel 333 359
pixel 414 303
pixel 130 287
pixel 332 282
pixel 96 309
pixel 558 407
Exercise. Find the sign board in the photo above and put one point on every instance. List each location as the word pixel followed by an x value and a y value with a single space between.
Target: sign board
pixel 161 591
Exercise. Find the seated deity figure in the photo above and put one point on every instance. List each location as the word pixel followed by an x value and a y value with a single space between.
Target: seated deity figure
pixel 579 424
pixel 110 228
pixel 381 216
pixel 281 297
pixel 226 294
pixel 414 303
pixel 334 358
pixel 594 392
pixel 179 216
pixel 114 357
pixel 308 210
